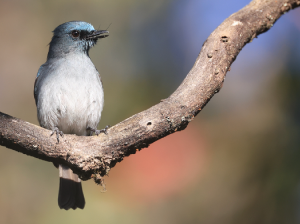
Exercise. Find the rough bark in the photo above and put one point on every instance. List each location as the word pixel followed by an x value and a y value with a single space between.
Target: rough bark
pixel 95 156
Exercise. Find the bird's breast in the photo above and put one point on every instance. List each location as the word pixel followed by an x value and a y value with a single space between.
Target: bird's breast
pixel 71 97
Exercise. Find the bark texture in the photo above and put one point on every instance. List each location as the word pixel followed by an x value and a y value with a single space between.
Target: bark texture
pixel 95 156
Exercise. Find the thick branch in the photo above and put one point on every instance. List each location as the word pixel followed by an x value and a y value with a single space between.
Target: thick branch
pixel 97 154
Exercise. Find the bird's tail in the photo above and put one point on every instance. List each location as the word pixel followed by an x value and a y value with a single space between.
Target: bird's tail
pixel 70 190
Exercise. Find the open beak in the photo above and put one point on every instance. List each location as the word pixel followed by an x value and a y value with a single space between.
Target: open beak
pixel 97 34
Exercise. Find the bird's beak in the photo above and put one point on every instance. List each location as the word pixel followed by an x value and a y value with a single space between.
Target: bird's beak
pixel 94 35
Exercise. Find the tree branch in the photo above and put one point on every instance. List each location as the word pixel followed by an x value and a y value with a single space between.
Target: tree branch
pixel 94 156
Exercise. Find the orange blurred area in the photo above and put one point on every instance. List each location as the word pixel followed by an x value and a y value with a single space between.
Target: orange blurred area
pixel 164 169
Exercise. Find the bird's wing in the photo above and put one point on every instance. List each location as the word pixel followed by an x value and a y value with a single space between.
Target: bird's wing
pixel 35 84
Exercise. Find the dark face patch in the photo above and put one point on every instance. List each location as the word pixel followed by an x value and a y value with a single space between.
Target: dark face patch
pixel 79 34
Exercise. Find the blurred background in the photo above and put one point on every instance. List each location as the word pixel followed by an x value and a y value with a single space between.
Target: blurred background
pixel 237 162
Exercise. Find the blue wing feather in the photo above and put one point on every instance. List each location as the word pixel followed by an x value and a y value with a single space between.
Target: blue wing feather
pixel 35 86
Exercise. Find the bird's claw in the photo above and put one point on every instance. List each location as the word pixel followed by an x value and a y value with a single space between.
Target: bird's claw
pixel 58 133
pixel 97 132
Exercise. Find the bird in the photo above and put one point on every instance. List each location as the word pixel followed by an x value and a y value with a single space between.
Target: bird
pixel 69 96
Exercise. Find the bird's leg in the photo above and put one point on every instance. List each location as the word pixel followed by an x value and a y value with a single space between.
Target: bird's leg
pixel 97 132
pixel 58 132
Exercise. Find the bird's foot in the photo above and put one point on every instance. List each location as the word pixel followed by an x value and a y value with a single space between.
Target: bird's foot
pixel 58 133
pixel 97 132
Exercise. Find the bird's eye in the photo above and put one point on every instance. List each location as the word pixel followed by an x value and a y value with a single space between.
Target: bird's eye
pixel 75 33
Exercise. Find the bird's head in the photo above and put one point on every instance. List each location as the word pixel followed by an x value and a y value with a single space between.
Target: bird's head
pixel 74 36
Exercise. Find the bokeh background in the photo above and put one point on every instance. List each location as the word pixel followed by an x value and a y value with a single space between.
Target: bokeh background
pixel 237 162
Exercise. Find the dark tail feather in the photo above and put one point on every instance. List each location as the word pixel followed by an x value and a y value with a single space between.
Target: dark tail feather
pixel 80 201
pixel 70 194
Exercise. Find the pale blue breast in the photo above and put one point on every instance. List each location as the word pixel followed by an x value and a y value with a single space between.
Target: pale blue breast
pixel 71 95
